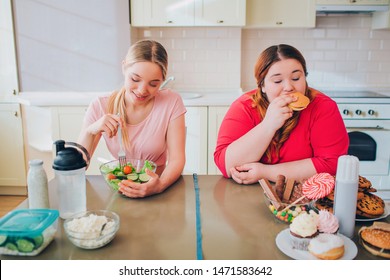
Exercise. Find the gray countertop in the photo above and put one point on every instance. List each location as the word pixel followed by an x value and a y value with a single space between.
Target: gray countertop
pixel 236 224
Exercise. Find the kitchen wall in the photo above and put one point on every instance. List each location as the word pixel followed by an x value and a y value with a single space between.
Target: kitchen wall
pixel 342 52
pixel 71 45
pixel 203 59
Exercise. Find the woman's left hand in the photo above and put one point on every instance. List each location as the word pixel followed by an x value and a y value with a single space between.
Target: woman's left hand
pixel 136 190
pixel 247 173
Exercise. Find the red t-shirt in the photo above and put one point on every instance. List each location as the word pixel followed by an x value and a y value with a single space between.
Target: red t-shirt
pixel 320 133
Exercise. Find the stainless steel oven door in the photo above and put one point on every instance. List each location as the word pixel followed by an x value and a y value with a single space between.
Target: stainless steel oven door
pixel 379 132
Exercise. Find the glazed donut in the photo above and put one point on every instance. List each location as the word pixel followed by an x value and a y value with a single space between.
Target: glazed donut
pixel 327 246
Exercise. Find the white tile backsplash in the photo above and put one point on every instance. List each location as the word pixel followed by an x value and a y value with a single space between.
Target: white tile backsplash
pixel 341 52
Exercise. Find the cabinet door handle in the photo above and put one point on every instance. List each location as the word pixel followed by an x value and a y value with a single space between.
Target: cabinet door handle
pixel 14 92
pixel 219 21
pixel 169 21
pixel 279 23
pixel 16 114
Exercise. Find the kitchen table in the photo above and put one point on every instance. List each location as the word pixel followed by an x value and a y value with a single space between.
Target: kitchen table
pixel 235 223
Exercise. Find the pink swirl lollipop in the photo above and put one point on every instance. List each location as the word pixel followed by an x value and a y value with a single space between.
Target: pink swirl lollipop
pixel 318 186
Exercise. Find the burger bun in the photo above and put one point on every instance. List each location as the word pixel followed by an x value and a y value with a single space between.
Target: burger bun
pixel 301 102
pixel 376 239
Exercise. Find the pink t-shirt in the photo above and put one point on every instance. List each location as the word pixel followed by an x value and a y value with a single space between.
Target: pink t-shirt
pixel 149 138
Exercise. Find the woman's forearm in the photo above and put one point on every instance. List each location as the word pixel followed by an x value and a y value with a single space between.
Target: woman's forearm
pixel 299 170
pixel 88 141
pixel 171 173
pixel 249 147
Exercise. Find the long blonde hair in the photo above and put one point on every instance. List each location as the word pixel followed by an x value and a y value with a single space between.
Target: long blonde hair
pixel 260 100
pixel 141 51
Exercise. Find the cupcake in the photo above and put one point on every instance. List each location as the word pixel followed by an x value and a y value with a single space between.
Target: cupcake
pixel 302 229
pixel 327 222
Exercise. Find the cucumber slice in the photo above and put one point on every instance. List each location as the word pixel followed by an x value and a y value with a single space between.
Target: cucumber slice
pixel 114 184
pixel 38 241
pixel 25 245
pixel 11 246
pixel 132 176
pixel 3 238
pixel 143 177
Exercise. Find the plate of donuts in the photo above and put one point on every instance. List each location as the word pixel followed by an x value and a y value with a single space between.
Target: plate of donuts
pixel 284 244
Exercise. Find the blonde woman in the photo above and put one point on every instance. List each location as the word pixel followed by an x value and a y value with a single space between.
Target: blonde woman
pixel 152 120
pixel 262 137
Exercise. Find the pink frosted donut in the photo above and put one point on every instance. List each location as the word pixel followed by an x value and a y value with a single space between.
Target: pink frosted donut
pixel 318 186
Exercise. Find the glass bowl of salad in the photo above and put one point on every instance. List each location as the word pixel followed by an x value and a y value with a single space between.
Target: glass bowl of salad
pixel 134 170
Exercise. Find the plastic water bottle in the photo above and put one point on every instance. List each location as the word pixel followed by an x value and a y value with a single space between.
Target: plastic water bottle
pixel 37 185
pixel 69 167
pixel 346 190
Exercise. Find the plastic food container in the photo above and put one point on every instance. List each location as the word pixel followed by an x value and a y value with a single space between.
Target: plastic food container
pixel 26 232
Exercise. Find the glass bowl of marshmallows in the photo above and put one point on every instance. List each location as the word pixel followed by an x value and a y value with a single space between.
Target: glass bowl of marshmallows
pixel 92 229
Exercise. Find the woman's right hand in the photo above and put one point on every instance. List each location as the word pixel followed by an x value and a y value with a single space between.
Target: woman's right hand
pixel 278 112
pixel 108 124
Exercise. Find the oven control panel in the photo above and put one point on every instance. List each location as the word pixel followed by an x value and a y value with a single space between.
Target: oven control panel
pixel 364 111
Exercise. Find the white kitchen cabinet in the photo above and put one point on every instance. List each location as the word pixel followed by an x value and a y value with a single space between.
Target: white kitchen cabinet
pixel 215 118
pixel 66 125
pixel 280 13
pixel 202 124
pixel 188 13
pixel 220 13
pixel 8 66
pixel 12 165
pixel 196 141
pixel 162 13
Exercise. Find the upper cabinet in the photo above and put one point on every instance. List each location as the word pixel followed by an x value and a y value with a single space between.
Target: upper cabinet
pixel 220 13
pixel 188 13
pixel 162 13
pixel 8 67
pixel 280 13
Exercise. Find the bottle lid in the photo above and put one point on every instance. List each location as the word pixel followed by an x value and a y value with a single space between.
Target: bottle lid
pixel 68 158
pixel 347 168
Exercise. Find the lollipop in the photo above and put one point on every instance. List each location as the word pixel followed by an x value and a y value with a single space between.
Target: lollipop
pixel 316 187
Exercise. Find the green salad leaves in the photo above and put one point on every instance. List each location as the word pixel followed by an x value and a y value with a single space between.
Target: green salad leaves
pixel 116 174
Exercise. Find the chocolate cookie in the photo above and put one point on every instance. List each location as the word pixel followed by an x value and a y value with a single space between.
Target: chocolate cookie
pixel 362 215
pixel 360 195
pixel 364 183
pixel 324 204
pixel 371 205
pixel 370 189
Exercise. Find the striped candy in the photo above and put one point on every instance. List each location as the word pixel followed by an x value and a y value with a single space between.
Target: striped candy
pixel 318 186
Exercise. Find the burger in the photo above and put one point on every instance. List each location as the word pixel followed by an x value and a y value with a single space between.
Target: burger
pixel 376 239
pixel 301 102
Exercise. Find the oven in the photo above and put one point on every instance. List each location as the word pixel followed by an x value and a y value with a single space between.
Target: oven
pixel 367 118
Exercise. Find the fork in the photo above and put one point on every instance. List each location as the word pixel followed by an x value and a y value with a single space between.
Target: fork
pixel 121 153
